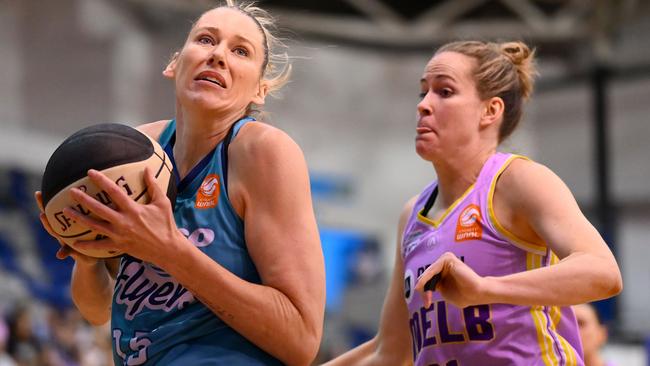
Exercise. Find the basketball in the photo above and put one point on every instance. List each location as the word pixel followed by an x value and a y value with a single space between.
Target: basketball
pixel 121 153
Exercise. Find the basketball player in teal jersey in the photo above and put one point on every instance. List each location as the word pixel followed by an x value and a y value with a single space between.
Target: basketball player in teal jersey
pixel 497 245
pixel 234 275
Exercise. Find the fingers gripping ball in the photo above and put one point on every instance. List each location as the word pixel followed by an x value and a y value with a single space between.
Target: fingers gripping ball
pixel 121 153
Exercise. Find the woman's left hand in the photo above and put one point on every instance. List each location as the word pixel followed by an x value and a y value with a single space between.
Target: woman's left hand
pixel 458 283
pixel 144 231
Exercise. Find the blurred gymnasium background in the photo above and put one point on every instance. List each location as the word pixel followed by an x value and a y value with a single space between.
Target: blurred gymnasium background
pixel 67 64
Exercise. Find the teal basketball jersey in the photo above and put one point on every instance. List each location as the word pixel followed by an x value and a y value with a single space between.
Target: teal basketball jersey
pixel 157 321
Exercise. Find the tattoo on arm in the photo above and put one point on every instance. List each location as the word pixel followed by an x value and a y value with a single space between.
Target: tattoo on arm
pixel 220 311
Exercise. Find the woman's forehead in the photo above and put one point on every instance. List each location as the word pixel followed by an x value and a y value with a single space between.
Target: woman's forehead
pixel 229 20
pixel 450 64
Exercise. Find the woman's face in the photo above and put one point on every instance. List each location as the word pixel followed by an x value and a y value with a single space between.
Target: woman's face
pixel 450 110
pixel 592 334
pixel 219 68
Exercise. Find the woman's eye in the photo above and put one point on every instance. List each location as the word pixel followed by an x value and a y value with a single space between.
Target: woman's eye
pixel 422 95
pixel 205 40
pixel 241 51
pixel 445 92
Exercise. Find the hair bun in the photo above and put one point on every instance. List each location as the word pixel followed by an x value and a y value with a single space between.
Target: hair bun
pixel 517 52
pixel 521 57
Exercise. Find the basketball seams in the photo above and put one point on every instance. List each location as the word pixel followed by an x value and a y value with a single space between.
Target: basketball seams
pixel 92 138
pixel 137 199
pixel 62 198
pixel 162 164
pixel 160 153
pixel 121 153
pixel 162 158
pixel 165 160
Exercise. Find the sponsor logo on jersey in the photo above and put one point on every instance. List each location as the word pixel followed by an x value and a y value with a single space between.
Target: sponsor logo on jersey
pixel 208 194
pixel 469 224
pixel 412 238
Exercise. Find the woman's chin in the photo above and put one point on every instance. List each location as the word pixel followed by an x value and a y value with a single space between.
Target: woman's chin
pixel 196 96
pixel 422 148
pixel 425 150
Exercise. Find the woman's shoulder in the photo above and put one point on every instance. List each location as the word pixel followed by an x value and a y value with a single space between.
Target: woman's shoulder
pixel 528 185
pixel 260 130
pixel 407 211
pixel 263 158
pixel 153 129
pixel 525 173
pixel 259 139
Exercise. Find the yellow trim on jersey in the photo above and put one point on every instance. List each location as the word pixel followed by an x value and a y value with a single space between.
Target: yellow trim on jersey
pixel 436 223
pixel 523 244
pixel 569 352
pixel 556 315
pixel 544 338
pixel 554 259
pixel 566 348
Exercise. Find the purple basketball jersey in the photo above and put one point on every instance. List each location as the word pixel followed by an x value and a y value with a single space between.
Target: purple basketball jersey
pixel 490 334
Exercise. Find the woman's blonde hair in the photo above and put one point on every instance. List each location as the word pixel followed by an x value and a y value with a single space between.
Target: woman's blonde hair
pixel 506 70
pixel 277 65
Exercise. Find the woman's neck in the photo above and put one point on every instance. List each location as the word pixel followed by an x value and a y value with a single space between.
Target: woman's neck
pixel 197 134
pixel 457 172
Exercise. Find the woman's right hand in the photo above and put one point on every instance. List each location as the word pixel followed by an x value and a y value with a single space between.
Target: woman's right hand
pixel 65 250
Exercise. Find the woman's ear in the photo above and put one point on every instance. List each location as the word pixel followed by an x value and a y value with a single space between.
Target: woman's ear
pixel 170 71
pixel 493 111
pixel 262 91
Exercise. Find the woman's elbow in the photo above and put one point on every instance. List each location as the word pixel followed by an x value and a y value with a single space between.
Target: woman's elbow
pixel 95 318
pixel 616 283
pixel 96 322
pixel 95 314
pixel 304 353
pixel 312 345
pixel 302 357
pixel 610 282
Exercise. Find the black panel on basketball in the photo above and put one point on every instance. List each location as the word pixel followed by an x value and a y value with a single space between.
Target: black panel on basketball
pixel 97 147
pixel 122 154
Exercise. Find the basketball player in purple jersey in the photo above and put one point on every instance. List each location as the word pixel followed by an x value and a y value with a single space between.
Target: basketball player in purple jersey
pixel 234 275
pixel 501 236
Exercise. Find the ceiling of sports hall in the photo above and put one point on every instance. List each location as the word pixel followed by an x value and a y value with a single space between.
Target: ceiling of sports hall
pixel 420 24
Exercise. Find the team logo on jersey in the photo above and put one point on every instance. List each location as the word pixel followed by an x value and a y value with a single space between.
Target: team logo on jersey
pixel 139 286
pixel 208 194
pixel 469 224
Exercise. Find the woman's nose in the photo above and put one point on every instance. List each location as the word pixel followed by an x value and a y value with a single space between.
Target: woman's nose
pixel 424 108
pixel 217 56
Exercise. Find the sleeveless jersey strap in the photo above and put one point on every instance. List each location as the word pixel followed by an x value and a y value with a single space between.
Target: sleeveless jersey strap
pixel 224 148
pixel 224 157
pixel 489 188
pixel 167 133
pixel 430 201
